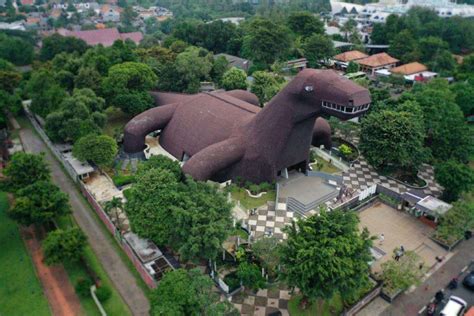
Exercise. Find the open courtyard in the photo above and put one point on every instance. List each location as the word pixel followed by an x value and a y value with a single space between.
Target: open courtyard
pixel 399 229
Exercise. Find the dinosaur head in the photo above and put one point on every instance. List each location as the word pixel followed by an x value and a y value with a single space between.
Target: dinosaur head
pixel 325 91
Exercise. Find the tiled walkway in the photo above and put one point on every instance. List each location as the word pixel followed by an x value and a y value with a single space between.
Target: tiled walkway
pixel 263 302
pixel 361 176
pixel 269 222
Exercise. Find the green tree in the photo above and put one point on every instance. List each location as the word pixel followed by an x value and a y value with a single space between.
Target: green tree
pixel 46 95
pixel 251 276
pixel 393 140
pixel 305 24
pixel 430 47
pixel 55 44
pixel 265 41
pixel 24 169
pixel 459 219
pixel 317 48
pixel 98 149
pixel 401 274
pixel 16 50
pixel 455 177
pixel 266 85
pixel 163 163
pixel 127 86
pixel 38 203
pixel 193 66
pixel 267 250
pixel 171 213
pixel 182 292
pixel 326 254
pixel 352 67
pixel 234 78
pixel 78 116
pixel 447 133
pixel 404 47
pixel 63 246
pixel 464 92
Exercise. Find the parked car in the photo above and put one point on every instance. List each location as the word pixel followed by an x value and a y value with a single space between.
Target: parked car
pixel 455 307
pixel 468 281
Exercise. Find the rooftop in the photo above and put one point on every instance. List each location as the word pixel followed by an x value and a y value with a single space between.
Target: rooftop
pixel 350 56
pixel 409 69
pixel 81 168
pixel 105 37
pixel 378 60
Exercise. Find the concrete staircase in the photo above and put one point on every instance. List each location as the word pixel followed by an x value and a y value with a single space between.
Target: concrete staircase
pixel 301 209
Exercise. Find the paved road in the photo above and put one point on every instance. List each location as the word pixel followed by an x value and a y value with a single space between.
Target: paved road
pixel 411 303
pixel 122 278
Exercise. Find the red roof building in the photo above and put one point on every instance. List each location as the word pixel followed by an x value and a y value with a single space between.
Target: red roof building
pixel 106 37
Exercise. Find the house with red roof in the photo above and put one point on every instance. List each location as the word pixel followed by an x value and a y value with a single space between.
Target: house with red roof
pixel 105 37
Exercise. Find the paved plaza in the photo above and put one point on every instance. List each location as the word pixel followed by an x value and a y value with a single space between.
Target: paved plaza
pixel 399 228
pixel 263 302
pixel 269 222
pixel 305 189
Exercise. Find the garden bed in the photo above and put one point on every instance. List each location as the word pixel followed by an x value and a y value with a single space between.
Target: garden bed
pixel 336 145
pixel 319 164
pixel 248 202
pixel 328 308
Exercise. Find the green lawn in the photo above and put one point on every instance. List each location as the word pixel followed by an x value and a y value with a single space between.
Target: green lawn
pixel 239 194
pixel 333 307
pixel 325 166
pixel 76 271
pixel 20 289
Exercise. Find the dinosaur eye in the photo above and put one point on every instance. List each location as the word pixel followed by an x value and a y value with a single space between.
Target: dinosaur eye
pixel 308 88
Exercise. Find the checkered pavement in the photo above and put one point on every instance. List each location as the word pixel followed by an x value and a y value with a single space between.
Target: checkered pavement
pixel 263 302
pixel 361 176
pixel 269 222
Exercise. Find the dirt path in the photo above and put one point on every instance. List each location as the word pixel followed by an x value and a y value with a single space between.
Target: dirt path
pixel 59 291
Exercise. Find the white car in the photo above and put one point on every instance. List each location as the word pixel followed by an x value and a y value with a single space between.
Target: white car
pixel 456 306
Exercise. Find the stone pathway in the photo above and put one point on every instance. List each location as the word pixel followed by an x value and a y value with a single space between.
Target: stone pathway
pixel 263 302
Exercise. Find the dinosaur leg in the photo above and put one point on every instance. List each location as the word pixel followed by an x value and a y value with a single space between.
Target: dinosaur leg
pixel 145 123
pixel 203 165
pixel 322 133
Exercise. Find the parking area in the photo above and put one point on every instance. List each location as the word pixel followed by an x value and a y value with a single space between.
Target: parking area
pixel 461 292
pixel 399 229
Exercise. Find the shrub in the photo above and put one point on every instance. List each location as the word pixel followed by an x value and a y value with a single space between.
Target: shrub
pixel 103 293
pixel 121 180
pixel 345 150
pixel 83 287
pixel 255 189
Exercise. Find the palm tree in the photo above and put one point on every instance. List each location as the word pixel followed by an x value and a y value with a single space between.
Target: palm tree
pixel 113 208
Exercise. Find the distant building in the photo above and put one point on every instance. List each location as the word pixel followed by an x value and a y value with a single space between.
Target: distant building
pixel 409 69
pixel 237 62
pixel 376 62
pixel 105 37
pixel 110 13
pixel 341 61
pixel 17 25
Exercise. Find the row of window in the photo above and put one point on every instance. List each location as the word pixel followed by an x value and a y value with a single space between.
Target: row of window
pixel 345 109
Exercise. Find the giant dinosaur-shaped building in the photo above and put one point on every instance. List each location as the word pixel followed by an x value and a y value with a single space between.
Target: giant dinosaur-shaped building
pixel 225 135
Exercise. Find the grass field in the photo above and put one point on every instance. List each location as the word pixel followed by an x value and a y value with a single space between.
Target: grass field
pixel 20 289
pixel 329 308
pixel 76 271
pixel 239 194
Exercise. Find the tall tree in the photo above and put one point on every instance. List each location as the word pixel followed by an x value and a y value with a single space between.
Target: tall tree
pixel 55 44
pixel 318 49
pixel 98 149
pixel 63 246
pixel 24 169
pixel 234 78
pixel 127 86
pixel 266 85
pixel 265 41
pixel 393 140
pixel 182 292
pixel 305 24
pixel 455 177
pixel 326 254
pixel 38 203
pixel 193 66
